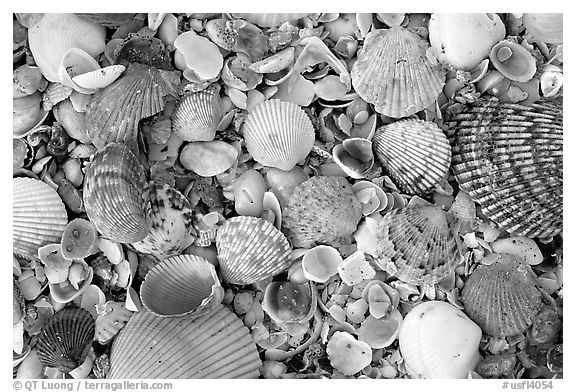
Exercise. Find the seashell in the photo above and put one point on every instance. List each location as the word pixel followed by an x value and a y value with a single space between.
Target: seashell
pixel 236 73
pixel 38 217
pixel 78 280
pixel 181 286
pixel 355 268
pixel 551 81
pixel 463 208
pixel 372 198
pixel 546 27
pixel 417 245
pixel 205 67
pixel 322 210
pixel 198 114
pixel 251 249
pixel 115 194
pixel 66 339
pixel 112 317
pixel 354 156
pixel 22 153
pixel 393 73
pixel 381 298
pixel 100 78
pixel 168 30
pixel 19 308
pixel 415 153
pixel 107 20
pixel 272 211
pixel 269 19
pixel 321 263
pixel 29 285
pixel 391 19
pixel 380 333
pixel 208 159
pixel 513 60
pixel 115 111
pixel 508 158
pixel 502 298
pixel 56 267
pixel 143 49
pixel 26 80
pixel 275 63
pixel 525 248
pixel 79 239
pixel 287 302
pixel 72 121
pixel 30 367
pixel 464 40
pixel 76 62
pixel 222 32
pixel 249 189
pixel 348 355
pixel 437 340
pixel 215 345
pixel 54 34
pixel 27 114
pixel 282 183
pixel 278 134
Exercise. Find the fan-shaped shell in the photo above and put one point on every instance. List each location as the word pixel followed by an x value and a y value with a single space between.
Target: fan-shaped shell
pixel 415 153
pixel 270 19
pixel 197 115
pixel 38 216
pixel 322 210
pixel 503 297
pixel 278 134
pixel 508 158
pixel 546 27
pixel 115 194
pixel 251 249
pixel 66 339
pixel 215 345
pixel 393 73
pixel 417 245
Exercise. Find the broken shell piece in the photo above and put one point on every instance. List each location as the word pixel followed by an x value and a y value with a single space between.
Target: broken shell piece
pixel 321 263
pixel 275 63
pixel 271 209
pixel 282 183
pixel 355 268
pixel 513 60
pixel 55 265
pixel 26 80
pixel 302 93
pixel 348 355
pixel 27 114
pixel 371 196
pixel 547 27
pixel 330 88
pixel 354 156
pixel 380 332
pixel 249 189
pixel 287 302
pixel 91 298
pixel 237 74
pixel 78 280
pixel 480 71
pixel 188 45
pixel 356 310
pixel 551 81
pixel 269 19
pixel 112 317
pixel 208 159
pixel 381 298
pixel 525 248
pixel 79 239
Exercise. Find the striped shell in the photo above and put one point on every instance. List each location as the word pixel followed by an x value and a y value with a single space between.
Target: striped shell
pixel 215 345
pixel 278 134
pixel 115 194
pixel 66 339
pixel 322 210
pixel 251 249
pixel 508 158
pixel 417 245
pixel 197 115
pixel 415 153
pixel 393 73
pixel 503 297
pixel 38 216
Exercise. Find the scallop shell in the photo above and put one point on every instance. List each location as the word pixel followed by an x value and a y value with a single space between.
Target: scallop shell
pixel 38 216
pixel 115 111
pixel 278 134
pixel 393 73
pixel 66 339
pixel 417 245
pixel 100 78
pixel 513 61
pixel 215 345
pixel 115 194
pixel 415 153
pixel 269 19
pixel 183 285
pixel 508 158
pixel 544 27
pixel 197 115
pixel 322 210
pixel 251 249
pixel 503 297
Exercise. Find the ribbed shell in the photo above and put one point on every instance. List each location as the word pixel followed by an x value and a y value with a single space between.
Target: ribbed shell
pixel 322 210
pixel 503 297
pixel 100 78
pixel 197 115
pixel 415 153
pixel 417 245
pixel 215 345
pixel 269 19
pixel 278 134
pixel 115 194
pixel 38 216
pixel 115 111
pixel 251 249
pixel 508 158
pixel 393 73
pixel 66 339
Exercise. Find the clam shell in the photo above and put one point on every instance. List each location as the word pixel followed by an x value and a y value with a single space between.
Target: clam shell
pixel 354 156
pixel 393 73
pixel 415 153
pixel 508 158
pixel 38 216
pixel 27 114
pixel 215 345
pixel 322 210
pixel 269 19
pixel 183 285
pixel 321 263
pixel 100 78
pixel 288 302
pixel 249 189
pixel 251 249
pixel 544 27
pixel 503 297
pixel 417 245
pixel 66 339
pixel 72 121
pixel 115 194
pixel 278 134
pixel 79 239
pixel 513 61
pixel 208 159
pixel 197 115
pixel 76 62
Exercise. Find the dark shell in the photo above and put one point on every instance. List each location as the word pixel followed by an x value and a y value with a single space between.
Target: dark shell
pixel 17 302
pixel 144 50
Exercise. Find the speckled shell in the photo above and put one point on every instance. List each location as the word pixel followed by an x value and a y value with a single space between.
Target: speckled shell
pixel 503 297
pixel 269 19
pixel 115 111
pixel 415 153
pixel 393 73
pixel 508 158
pixel 546 27
pixel 278 134
pixel 111 321
pixel 197 115
pixel 18 304
pixel 215 345
pixel 66 339
pixel 417 245
pixel 116 194
pixel 322 210
pixel 38 216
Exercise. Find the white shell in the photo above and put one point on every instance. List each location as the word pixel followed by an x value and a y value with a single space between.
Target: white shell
pixel 99 78
pixel 197 115
pixel 73 63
